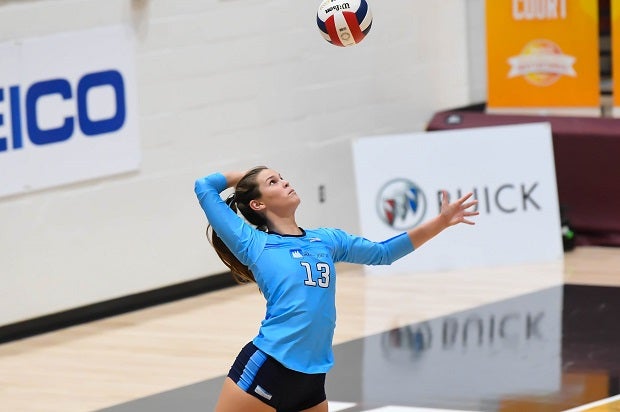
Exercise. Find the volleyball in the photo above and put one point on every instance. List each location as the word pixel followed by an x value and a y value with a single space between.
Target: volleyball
pixel 344 22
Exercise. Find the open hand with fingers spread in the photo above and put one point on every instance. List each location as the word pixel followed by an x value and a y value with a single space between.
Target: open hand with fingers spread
pixel 449 215
pixel 458 211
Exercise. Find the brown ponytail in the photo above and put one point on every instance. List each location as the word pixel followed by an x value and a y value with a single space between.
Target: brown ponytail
pixel 246 190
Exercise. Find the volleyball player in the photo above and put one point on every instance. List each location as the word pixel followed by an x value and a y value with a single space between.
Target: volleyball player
pixel 283 368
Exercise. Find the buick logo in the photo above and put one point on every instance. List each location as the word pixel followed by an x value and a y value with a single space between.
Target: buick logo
pixel 401 204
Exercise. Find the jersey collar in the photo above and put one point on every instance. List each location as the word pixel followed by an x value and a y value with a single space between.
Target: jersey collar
pixel 303 233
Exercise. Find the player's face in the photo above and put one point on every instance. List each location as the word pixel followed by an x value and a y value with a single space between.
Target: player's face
pixel 276 193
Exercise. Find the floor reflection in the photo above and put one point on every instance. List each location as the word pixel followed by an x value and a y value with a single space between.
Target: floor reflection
pixel 545 351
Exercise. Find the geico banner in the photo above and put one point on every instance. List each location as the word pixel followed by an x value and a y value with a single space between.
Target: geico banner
pixel 510 170
pixel 67 109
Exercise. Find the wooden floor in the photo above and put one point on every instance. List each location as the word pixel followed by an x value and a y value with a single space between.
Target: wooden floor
pixel 118 359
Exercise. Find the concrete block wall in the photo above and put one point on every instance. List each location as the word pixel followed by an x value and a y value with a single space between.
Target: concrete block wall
pixel 221 84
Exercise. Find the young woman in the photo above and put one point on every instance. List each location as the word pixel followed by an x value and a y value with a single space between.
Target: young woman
pixel 283 368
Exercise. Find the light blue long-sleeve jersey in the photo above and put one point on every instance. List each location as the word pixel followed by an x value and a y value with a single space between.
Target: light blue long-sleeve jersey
pixel 297 276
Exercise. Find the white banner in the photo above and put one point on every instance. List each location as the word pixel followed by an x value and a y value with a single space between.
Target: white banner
pixel 511 171
pixel 67 109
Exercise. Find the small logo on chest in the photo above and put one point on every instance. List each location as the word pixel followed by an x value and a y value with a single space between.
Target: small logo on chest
pixel 296 253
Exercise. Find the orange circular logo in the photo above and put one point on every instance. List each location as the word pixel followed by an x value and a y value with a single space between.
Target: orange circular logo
pixel 541 63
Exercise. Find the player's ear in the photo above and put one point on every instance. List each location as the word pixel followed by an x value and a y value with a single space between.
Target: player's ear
pixel 256 205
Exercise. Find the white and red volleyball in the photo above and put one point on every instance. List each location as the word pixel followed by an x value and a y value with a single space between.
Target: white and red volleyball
pixel 344 22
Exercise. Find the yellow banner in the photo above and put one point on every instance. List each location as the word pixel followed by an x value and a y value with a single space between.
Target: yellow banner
pixel 615 51
pixel 542 53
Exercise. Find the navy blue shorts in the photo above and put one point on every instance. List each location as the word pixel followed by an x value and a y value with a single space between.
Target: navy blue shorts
pixel 284 389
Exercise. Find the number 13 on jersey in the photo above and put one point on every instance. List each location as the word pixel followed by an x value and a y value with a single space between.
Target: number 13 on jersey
pixel 322 274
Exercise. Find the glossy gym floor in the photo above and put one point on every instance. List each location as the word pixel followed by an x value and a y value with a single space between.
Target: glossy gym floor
pixel 525 338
